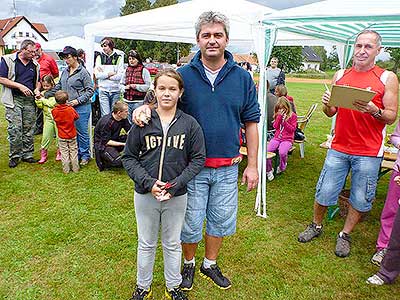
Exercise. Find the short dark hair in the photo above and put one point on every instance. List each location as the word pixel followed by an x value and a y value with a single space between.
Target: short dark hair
pixel 61 97
pixel 135 54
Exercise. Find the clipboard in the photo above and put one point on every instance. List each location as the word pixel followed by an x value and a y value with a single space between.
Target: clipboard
pixel 344 96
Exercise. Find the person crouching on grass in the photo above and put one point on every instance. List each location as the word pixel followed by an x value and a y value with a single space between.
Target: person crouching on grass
pixel 285 124
pixel 65 116
pixel 161 158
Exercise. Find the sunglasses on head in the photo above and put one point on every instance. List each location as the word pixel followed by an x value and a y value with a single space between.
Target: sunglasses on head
pixel 104 44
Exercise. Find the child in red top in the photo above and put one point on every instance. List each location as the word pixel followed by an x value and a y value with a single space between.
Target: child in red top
pixel 64 117
pixel 285 123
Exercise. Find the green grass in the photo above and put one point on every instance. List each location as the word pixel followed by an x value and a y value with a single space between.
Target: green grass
pixel 74 237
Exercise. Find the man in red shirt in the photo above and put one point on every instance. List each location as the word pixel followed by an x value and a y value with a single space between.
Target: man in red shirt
pixel 48 66
pixel 357 145
pixel 47 63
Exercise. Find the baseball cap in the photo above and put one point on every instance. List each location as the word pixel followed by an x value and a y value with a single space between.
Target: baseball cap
pixel 68 50
pixel 38 46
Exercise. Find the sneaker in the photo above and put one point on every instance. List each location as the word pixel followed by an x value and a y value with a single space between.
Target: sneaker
pixel 142 294
pixel 343 242
pixel 375 280
pixel 312 231
pixel 187 277
pixel 13 162
pixel 215 275
pixel 30 160
pixel 270 175
pixel 84 162
pixel 378 257
pixel 175 294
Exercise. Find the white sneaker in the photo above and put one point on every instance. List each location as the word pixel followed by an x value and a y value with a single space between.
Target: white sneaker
pixel 375 280
pixel 270 175
pixel 378 257
pixel 278 170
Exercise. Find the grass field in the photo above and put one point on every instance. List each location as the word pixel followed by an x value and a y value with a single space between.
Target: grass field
pixel 74 237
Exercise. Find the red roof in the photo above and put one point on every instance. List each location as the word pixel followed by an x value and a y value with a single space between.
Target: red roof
pixel 7 24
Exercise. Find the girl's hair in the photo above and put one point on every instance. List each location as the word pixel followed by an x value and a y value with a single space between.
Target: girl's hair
pixel 281 90
pixel 135 54
pixel 49 80
pixel 283 103
pixel 170 73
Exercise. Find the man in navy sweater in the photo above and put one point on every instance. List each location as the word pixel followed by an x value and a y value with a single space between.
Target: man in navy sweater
pixel 221 96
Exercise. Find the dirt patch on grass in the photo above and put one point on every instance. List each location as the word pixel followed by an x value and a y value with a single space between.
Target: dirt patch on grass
pixel 309 80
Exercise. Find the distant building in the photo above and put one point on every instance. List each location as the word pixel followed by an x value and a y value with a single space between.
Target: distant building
pixel 14 30
pixel 311 61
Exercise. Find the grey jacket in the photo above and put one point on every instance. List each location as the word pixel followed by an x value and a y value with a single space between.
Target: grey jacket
pixel 79 85
pixel 6 94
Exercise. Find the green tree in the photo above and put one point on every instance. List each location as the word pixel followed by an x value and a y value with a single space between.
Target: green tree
pixel 332 61
pixel 321 52
pixel 290 57
pixel 395 55
pixel 159 51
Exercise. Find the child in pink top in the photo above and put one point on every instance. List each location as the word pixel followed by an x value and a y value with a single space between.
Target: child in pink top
pixel 285 123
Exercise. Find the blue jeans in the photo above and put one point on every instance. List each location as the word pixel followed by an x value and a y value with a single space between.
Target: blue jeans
pixel 212 195
pixel 107 100
pixel 364 177
pixel 131 107
pixel 82 128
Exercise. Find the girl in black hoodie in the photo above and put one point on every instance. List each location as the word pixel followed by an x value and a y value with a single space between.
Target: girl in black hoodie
pixel 161 158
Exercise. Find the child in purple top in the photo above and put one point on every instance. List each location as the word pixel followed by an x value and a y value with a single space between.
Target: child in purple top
pixel 391 205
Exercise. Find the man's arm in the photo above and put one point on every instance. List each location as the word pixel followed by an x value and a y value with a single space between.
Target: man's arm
pixel 15 85
pixel 250 174
pixel 388 114
pixel 54 68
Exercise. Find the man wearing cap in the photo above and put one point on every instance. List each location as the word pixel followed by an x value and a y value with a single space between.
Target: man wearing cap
pixel 108 70
pixel 47 63
pixel 19 76
pixel 48 66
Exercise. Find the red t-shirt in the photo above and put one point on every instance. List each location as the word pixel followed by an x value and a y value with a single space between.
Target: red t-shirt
pixel 47 66
pixel 358 133
pixel 65 117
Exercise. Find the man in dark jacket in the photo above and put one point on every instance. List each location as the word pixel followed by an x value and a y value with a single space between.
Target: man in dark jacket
pixel 110 136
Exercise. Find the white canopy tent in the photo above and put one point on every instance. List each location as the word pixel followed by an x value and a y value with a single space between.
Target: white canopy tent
pixel 175 23
pixel 74 41
pixel 338 23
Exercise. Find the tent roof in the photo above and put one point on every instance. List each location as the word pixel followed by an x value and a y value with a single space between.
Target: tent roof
pixel 73 41
pixel 175 23
pixel 340 21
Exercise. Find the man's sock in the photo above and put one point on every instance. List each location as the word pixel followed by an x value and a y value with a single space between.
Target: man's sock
pixel 207 263
pixel 189 261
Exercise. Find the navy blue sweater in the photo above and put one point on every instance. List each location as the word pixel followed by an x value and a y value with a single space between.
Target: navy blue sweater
pixel 219 109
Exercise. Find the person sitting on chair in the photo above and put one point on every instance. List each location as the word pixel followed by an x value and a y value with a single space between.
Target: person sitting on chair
pixel 110 135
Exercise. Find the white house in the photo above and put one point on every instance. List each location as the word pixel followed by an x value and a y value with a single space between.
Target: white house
pixel 14 30
pixel 311 60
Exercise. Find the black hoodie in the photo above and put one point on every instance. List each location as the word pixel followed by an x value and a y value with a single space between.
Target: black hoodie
pixel 175 158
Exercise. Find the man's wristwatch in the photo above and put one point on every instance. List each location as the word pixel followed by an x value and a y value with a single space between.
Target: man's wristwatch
pixel 377 114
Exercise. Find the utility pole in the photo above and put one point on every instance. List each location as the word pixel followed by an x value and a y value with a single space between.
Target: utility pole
pixel 177 53
pixel 15 8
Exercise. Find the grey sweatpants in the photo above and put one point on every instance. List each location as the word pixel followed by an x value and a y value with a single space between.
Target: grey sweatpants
pixel 152 214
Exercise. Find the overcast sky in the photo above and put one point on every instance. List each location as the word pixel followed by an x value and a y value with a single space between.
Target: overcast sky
pixel 67 17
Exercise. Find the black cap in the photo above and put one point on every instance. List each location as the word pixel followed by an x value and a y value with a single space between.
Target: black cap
pixel 68 50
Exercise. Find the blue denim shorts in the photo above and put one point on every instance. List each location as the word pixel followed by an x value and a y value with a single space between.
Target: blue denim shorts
pixel 212 195
pixel 364 177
